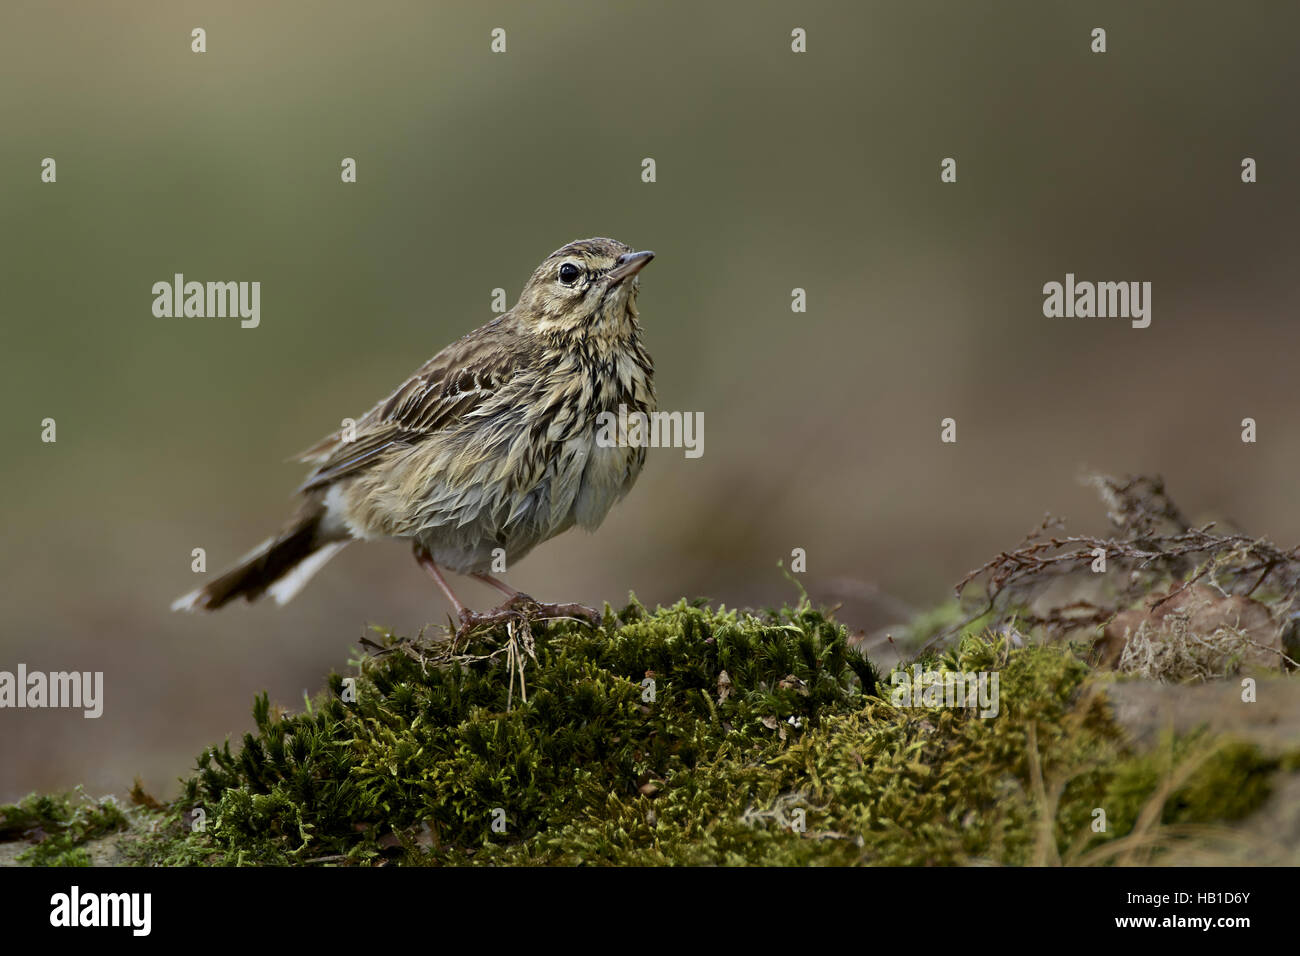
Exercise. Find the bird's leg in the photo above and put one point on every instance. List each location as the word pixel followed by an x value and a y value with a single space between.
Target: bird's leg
pixel 467 619
pixel 519 606
pixel 531 607
pixel 426 561
pixel 498 584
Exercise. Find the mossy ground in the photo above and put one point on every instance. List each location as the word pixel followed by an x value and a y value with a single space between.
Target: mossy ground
pixel 764 739
pixel 58 827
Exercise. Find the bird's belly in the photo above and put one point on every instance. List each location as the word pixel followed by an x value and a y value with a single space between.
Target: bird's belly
pixel 491 514
pixel 607 476
pixel 584 481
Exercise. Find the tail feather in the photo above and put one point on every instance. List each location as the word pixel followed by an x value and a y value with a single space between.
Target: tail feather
pixel 280 565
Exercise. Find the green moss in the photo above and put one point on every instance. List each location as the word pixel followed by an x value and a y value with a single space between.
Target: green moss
pixel 766 740
pixel 427 758
pixel 1232 779
pixel 58 826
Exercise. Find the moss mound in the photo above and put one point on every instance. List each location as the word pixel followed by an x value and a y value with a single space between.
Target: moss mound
pixel 444 760
pixel 686 735
pixel 694 736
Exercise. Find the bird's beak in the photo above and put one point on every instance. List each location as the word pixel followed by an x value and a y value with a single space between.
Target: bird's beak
pixel 629 265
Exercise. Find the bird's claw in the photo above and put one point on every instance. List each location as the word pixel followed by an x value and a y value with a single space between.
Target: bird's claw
pixel 522 607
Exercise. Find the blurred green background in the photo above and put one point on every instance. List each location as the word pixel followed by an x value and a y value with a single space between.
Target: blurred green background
pixel 775 171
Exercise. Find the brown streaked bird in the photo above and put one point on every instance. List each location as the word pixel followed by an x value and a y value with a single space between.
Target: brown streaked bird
pixel 490 444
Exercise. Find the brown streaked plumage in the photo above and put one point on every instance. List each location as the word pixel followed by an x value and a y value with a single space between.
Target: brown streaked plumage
pixel 490 444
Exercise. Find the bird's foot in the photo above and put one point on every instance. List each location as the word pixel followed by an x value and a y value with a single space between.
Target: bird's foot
pixel 536 609
pixel 522 607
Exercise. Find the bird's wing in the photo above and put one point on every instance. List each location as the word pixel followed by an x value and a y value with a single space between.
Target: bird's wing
pixel 441 393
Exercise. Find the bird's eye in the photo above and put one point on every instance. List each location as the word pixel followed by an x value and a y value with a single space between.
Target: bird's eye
pixel 569 273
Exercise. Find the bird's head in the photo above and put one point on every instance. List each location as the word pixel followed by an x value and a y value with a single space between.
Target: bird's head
pixel 587 287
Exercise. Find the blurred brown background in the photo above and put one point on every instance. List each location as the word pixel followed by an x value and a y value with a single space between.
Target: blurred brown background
pixel 775 171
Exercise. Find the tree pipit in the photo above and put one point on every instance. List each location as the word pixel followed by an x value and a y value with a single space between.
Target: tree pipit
pixel 489 449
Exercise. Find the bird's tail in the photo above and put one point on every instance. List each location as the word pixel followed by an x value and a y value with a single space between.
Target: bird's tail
pixel 280 565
